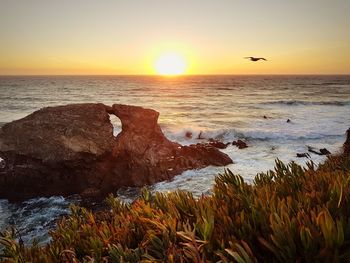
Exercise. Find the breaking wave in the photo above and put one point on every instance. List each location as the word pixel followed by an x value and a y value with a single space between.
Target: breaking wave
pixel 303 102
pixel 228 135
pixel 33 218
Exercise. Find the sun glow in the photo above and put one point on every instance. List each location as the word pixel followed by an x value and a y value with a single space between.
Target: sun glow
pixel 170 64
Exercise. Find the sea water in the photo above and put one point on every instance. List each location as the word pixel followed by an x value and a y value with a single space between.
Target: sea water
pixel 221 107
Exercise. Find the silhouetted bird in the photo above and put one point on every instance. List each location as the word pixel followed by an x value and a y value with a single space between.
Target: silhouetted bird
pixel 256 59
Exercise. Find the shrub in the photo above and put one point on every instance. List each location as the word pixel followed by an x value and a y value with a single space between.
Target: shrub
pixel 291 214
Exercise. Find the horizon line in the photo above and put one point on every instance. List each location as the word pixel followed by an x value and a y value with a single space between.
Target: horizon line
pixel 174 76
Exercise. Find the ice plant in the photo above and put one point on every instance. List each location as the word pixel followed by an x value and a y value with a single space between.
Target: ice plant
pixel 291 214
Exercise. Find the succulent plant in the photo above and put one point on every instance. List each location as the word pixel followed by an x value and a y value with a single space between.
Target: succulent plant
pixel 290 214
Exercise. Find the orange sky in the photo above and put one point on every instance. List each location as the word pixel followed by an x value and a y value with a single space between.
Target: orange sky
pixel 127 37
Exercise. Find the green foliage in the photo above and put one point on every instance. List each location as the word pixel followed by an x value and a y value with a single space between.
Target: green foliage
pixel 10 248
pixel 291 214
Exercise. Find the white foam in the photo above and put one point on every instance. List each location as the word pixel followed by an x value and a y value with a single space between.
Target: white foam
pixel 33 218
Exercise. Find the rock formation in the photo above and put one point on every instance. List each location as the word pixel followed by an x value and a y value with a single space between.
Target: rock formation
pixel 240 144
pixel 217 144
pixel 322 151
pixel 303 155
pixel 71 149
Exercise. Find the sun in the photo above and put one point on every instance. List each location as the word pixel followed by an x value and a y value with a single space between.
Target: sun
pixel 170 64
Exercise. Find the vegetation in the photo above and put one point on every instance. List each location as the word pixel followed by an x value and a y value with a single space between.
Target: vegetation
pixel 291 214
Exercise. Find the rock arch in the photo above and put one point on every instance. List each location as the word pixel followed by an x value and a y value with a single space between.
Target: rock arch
pixel 71 149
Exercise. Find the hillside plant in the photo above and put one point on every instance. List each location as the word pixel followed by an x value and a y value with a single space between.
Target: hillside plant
pixel 290 214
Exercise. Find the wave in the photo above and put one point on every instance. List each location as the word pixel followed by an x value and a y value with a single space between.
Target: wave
pixel 303 102
pixel 328 83
pixel 35 217
pixel 271 136
pixel 229 135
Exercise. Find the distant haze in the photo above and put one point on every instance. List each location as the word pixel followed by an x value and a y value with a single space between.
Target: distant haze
pixel 126 37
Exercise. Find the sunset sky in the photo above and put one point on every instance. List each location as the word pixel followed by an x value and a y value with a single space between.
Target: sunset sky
pixel 127 37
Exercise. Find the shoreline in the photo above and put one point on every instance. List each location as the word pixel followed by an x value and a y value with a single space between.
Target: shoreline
pixel 125 196
pixel 321 206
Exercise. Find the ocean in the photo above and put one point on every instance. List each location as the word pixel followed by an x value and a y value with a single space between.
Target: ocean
pixel 221 107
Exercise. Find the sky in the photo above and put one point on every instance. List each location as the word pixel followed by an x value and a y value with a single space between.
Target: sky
pixel 70 37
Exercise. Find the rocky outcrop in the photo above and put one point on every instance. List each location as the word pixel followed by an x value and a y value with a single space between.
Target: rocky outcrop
pixel 240 144
pixel 303 155
pixel 322 151
pixel 71 149
pixel 218 144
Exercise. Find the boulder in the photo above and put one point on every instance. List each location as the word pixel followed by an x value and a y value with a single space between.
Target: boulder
pixel 240 144
pixel 71 149
pixel 188 135
pixel 303 155
pixel 217 144
pixel 322 151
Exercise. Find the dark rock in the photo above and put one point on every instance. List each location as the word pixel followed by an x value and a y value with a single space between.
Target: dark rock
pixel 303 155
pixel 240 144
pixel 218 144
pixel 324 151
pixel 200 136
pixel 313 150
pixel 149 156
pixel 265 117
pixel 90 193
pixel 71 149
pixel 2 164
pixel 288 120
pixel 188 135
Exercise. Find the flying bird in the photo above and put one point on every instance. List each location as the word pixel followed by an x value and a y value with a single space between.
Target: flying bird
pixel 255 59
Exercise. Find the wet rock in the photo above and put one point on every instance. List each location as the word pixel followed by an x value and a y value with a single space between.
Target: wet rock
pixel 218 144
pixel 240 144
pixel 188 135
pixel 313 150
pixel 323 151
pixel 200 136
pixel 71 149
pixel 303 155
pixel 288 120
pixel 90 193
